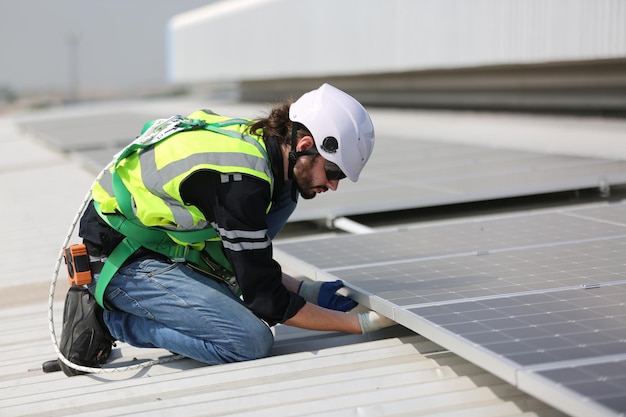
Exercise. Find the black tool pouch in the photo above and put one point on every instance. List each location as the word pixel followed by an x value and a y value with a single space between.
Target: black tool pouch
pixel 85 339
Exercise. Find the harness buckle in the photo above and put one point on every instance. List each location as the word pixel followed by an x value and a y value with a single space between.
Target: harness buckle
pixel 181 253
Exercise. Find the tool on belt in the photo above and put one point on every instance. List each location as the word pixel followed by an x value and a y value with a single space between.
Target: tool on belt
pixel 78 265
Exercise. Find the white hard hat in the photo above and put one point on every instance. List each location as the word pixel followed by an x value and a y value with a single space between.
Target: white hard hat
pixel 342 130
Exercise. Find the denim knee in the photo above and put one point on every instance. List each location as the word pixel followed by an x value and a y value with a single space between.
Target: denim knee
pixel 257 344
pixel 263 341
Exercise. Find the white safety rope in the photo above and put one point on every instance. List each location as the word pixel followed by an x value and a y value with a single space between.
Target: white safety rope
pixel 144 138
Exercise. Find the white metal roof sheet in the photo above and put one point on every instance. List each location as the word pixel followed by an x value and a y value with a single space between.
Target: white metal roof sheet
pixel 310 374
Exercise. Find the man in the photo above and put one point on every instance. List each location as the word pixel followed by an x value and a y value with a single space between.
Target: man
pixel 179 231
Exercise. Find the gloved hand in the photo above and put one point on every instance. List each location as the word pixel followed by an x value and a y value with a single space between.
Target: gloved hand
pixel 324 294
pixel 371 321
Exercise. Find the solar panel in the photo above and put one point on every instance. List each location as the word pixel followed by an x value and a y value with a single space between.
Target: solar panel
pixel 459 238
pixel 558 326
pixel 582 379
pixel 89 132
pixel 405 174
pixel 467 276
pixel 401 174
pixel 535 298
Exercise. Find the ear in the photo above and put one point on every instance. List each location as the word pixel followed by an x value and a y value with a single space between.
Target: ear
pixel 305 143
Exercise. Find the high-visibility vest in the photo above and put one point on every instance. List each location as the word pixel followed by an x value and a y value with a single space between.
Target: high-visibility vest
pixel 139 196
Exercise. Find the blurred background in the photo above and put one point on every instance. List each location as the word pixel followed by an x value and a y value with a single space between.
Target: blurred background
pixel 58 51
pixel 515 55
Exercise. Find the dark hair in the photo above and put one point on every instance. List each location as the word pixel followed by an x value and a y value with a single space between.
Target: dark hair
pixel 277 125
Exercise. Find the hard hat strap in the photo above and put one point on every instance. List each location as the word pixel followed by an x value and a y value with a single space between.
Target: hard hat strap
pixel 293 155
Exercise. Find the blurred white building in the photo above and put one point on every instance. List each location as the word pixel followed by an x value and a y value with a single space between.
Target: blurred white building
pixel 539 54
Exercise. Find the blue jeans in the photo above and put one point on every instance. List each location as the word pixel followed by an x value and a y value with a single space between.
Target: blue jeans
pixel 158 304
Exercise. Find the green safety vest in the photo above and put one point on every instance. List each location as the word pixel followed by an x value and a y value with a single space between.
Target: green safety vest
pixel 139 196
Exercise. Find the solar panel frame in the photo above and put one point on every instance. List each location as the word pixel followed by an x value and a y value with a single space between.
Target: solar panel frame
pixel 451 239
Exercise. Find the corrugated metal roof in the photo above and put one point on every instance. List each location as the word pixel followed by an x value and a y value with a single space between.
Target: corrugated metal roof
pixel 311 374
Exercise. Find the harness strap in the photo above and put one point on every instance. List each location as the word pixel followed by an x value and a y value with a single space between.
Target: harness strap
pixel 159 240
pixel 116 259
pixel 210 259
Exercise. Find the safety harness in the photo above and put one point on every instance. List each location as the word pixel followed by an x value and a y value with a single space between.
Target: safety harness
pixel 209 259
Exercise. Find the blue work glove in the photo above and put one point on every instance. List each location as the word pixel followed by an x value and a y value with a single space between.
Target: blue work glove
pixel 324 294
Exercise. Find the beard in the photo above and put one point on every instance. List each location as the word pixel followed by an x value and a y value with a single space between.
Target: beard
pixel 305 187
pixel 303 178
pixel 307 194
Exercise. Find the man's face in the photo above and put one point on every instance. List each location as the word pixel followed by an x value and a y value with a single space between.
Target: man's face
pixel 310 176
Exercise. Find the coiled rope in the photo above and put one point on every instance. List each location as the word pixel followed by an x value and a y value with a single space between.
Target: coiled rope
pixel 141 139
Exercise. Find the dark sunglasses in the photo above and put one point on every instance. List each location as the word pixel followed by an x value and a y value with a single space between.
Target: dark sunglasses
pixel 333 172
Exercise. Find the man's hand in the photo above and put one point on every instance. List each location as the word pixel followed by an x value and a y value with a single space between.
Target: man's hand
pixel 324 294
pixel 372 321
